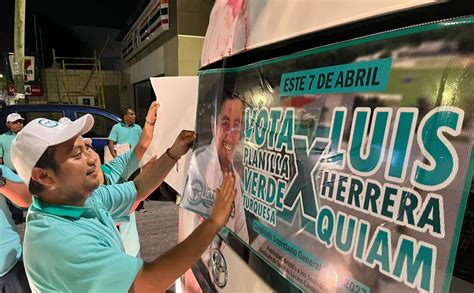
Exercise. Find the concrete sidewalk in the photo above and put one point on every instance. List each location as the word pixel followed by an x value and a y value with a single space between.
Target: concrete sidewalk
pixel 158 228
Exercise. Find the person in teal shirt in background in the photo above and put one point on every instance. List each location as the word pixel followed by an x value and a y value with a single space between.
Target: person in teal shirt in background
pixel 14 124
pixel 12 272
pixel 125 132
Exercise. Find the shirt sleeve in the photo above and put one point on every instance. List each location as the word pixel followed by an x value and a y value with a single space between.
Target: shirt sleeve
pixel 113 136
pixel 83 263
pixel 9 175
pixel 123 166
pixel 118 199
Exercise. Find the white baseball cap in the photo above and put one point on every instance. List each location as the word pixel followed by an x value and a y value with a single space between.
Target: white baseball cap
pixel 33 140
pixel 12 117
pixel 66 120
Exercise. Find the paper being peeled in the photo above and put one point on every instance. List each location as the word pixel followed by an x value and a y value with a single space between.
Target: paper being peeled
pixel 177 97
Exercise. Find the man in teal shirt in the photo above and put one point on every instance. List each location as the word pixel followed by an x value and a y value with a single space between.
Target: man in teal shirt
pixel 125 132
pixel 120 169
pixel 71 243
pixel 12 272
pixel 14 124
pixel 128 133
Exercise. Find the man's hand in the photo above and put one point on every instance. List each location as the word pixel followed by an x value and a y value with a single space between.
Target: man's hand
pixel 174 263
pixel 155 171
pixel 223 203
pixel 111 145
pixel 148 128
pixel 152 113
pixel 182 144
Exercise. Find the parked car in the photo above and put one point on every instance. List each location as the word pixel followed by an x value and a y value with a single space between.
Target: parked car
pixel 104 120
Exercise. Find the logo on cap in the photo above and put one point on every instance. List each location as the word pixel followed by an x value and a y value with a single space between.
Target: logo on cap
pixel 48 123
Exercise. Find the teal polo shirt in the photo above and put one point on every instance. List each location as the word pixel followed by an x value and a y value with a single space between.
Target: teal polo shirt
pixel 116 171
pixel 120 168
pixel 121 134
pixel 10 246
pixel 78 249
pixel 6 148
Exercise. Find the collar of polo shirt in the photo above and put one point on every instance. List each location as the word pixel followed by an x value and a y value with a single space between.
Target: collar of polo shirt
pixel 58 210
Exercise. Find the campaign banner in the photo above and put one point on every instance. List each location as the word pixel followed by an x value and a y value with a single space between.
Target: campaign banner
pixel 353 161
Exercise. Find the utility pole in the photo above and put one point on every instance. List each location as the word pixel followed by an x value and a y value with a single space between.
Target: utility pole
pixel 19 47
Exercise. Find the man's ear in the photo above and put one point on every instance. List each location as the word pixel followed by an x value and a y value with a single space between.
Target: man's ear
pixel 42 176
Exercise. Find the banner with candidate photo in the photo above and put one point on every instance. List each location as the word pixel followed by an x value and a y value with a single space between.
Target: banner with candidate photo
pixel 353 161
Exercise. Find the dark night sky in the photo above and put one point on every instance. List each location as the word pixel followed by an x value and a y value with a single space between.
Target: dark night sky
pixel 73 28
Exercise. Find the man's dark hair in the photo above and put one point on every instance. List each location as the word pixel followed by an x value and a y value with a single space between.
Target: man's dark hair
pixel 125 111
pixel 222 90
pixel 227 95
pixel 47 161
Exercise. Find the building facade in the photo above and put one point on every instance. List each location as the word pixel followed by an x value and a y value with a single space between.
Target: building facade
pixel 163 38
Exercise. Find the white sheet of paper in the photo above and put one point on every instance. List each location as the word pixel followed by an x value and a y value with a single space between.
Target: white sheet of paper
pixel 177 97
